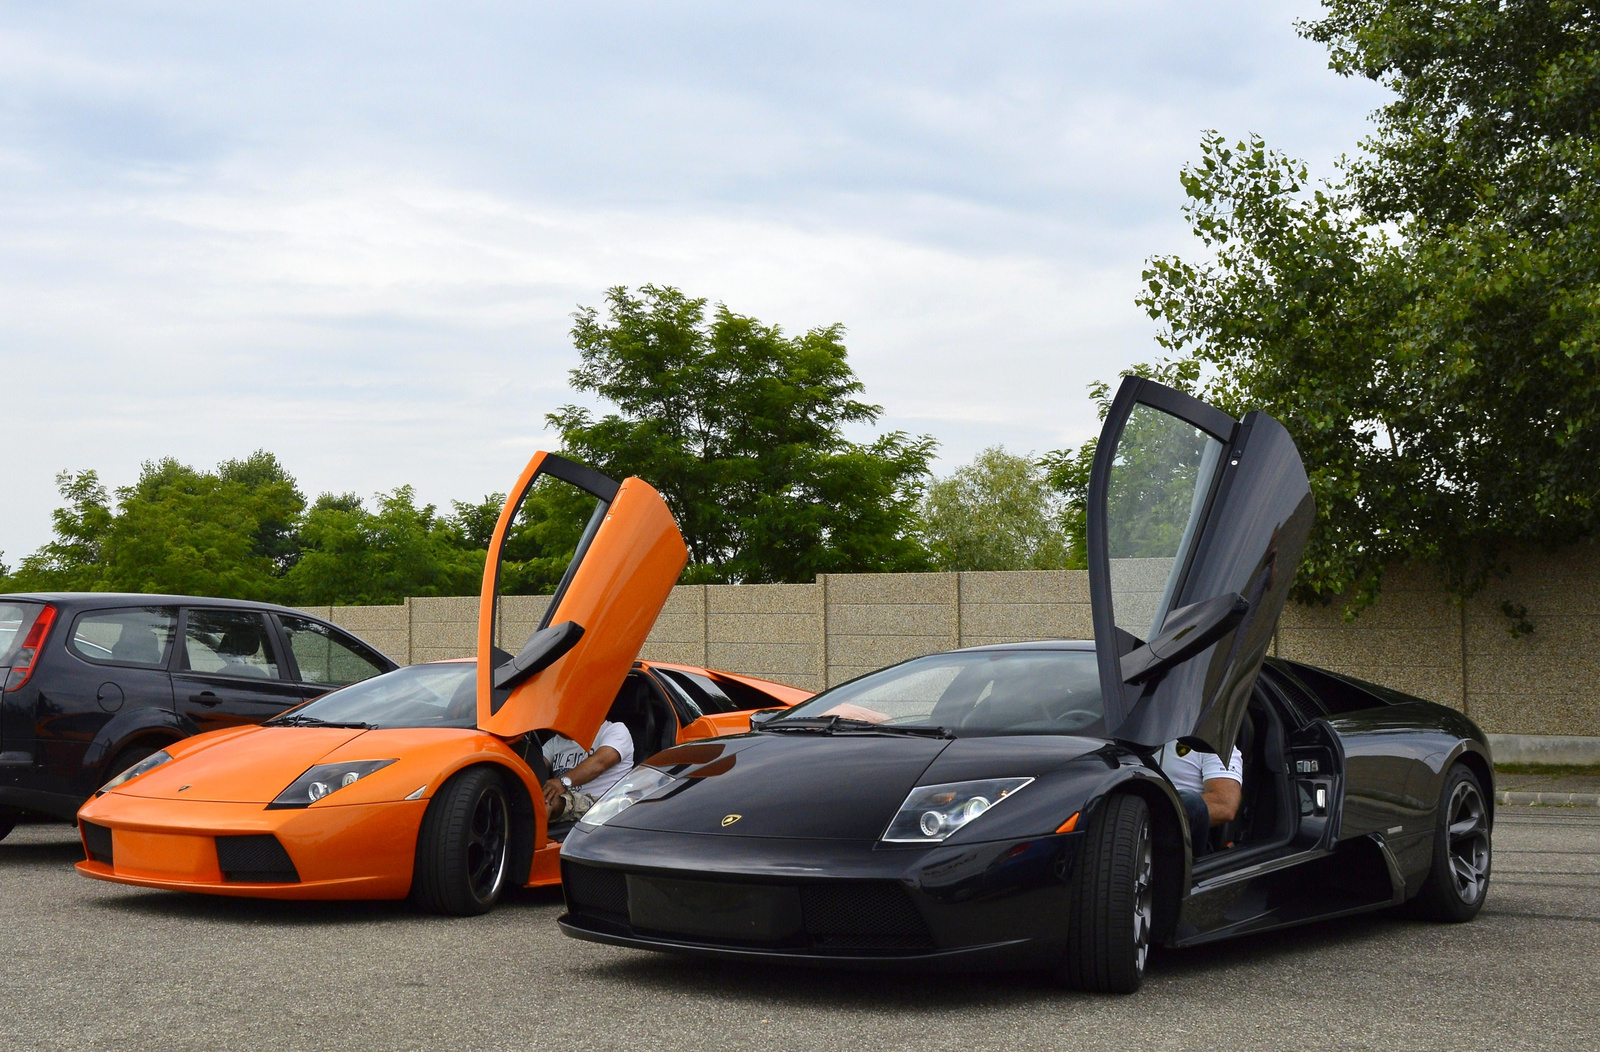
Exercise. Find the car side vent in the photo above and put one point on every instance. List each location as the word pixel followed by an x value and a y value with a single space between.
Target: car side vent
pixel 97 839
pixel 591 889
pixel 862 916
pixel 255 859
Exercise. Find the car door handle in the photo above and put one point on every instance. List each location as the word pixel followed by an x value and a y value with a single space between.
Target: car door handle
pixel 205 697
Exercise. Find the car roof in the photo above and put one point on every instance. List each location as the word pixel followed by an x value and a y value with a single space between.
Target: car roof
pixel 107 600
pixel 1032 644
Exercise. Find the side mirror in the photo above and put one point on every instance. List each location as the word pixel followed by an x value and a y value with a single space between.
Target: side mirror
pixel 761 717
pixel 1186 631
pixel 538 653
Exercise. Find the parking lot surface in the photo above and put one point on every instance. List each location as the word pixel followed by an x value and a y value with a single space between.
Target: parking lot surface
pixel 93 965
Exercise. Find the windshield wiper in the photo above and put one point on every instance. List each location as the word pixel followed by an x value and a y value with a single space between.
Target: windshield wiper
pixel 845 725
pixel 868 727
pixel 298 720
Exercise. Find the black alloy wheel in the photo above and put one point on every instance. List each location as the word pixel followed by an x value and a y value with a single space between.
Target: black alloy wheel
pixel 1112 906
pixel 1458 882
pixel 464 845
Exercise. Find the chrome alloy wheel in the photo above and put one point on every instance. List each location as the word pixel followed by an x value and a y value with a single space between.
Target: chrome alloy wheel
pixel 487 840
pixel 1143 895
pixel 1468 839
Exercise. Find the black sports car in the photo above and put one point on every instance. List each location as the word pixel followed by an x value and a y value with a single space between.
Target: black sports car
pixel 1003 806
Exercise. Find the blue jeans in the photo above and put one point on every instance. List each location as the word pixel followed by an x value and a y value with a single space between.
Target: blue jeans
pixel 1199 821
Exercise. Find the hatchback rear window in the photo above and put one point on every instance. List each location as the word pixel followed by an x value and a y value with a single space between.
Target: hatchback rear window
pixel 15 620
pixel 139 635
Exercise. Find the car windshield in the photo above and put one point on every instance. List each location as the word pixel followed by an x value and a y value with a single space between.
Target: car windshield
pixel 967 693
pixel 436 695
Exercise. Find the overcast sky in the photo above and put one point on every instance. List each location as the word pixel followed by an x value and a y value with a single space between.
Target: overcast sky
pixel 354 234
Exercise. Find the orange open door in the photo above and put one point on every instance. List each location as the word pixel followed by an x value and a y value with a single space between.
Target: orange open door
pixel 567 674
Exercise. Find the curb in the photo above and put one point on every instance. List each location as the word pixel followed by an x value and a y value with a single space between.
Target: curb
pixel 1549 799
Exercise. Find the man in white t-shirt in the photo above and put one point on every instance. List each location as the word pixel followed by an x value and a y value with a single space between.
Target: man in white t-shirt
pixel 1210 790
pixel 579 776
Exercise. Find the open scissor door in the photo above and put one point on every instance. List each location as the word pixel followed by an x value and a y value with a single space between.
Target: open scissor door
pixel 1196 524
pixel 565 676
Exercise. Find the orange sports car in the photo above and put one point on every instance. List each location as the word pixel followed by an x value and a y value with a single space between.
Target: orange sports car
pixel 428 780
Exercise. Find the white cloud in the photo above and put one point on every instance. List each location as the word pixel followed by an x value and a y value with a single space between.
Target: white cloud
pixel 356 238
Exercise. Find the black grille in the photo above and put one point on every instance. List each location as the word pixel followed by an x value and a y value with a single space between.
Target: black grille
pixel 593 890
pixel 255 859
pixel 98 841
pixel 864 916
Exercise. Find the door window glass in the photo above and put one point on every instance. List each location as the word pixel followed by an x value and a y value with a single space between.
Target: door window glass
pixel 229 643
pixel 326 656
pixel 1159 483
pixel 139 635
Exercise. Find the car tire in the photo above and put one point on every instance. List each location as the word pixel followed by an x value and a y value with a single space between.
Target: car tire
pixel 1112 901
pixel 1458 881
pixel 6 828
pixel 464 845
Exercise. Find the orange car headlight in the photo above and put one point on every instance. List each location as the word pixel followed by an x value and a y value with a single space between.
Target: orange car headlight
pixel 323 779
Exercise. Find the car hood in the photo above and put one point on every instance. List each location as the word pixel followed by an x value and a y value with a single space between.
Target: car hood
pixel 827 787
pixel 254 765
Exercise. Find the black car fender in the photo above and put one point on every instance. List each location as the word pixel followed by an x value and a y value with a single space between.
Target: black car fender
pixel 147 725
pixel 1080 787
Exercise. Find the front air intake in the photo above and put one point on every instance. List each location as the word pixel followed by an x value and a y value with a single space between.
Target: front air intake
pixel 97 842
pixel 255 859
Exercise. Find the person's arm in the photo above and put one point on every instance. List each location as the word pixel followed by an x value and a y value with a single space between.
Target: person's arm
pixel 594 765
pixel 1222 796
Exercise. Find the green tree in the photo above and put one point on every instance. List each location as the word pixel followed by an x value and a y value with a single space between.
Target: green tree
pixel 741 428
pixel 1428 328
pixel 352 555
pixel 177 530
pixel 997 513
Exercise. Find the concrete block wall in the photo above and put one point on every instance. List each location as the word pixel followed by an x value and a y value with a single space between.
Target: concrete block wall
pixel 1409 640
pixel 1547 682
pixel 1416 638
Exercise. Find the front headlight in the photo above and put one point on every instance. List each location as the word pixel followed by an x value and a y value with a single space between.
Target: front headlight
pixel 933 812
pixel 639 783
pixel 149 763
pixel 323 779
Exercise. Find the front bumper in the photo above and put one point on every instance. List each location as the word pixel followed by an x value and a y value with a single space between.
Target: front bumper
pixel 997 904
pixel 363 851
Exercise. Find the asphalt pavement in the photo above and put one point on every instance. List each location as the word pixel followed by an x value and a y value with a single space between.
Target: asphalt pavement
pixel 89 965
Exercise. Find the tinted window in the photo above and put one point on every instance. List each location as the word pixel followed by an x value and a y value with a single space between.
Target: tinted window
pixel 140 635
pixel 441 695
pixel 229 643
pixel 1159 482
pixel 327 656
pixel 706 694
pixel 15 620
pixel 974 693
pixel 1335 694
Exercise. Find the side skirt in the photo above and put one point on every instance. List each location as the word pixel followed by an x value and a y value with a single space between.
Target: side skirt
pixel 1359 875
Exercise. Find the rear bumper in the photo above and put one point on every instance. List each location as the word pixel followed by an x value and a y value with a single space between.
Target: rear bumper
pixel 999 904
pixel 363 851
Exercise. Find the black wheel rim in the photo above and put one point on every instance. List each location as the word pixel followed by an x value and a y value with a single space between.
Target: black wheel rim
pixel 486 844
pixel 1143 895
pixel 1468 842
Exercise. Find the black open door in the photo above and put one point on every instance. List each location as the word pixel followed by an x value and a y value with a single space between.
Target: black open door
pixel 1196 523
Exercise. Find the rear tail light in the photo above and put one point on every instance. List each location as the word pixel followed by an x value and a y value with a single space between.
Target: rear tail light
pixel 28 654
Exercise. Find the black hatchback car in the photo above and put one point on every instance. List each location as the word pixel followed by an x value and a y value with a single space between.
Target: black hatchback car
pixel 96 681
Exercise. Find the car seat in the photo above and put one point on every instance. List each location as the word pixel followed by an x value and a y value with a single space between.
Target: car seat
pixel 137 645
pixel 636 709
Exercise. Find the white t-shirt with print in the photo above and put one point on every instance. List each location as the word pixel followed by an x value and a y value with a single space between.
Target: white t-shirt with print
pixel 1193 769
pixel 563 754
